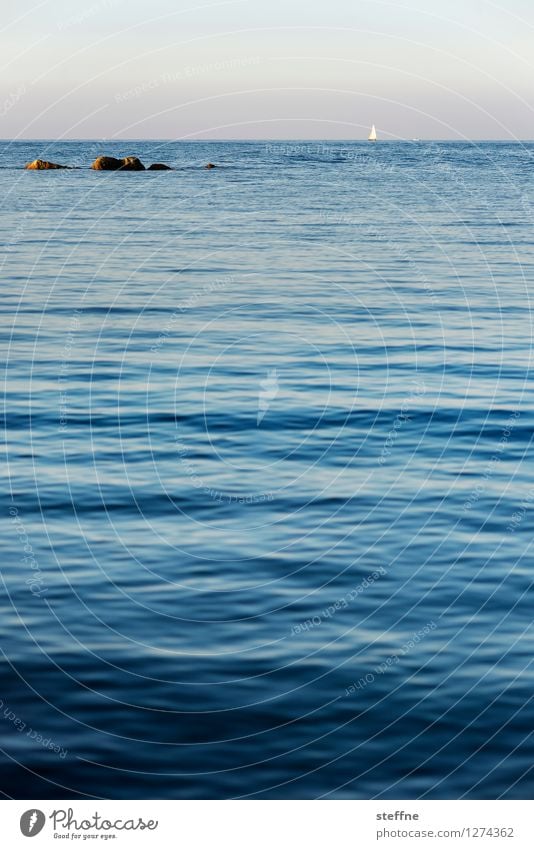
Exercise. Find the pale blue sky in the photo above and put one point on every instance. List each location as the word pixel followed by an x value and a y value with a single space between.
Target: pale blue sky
pixel 266 69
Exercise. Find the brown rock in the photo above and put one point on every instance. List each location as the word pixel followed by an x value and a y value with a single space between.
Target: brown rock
pixel 210 165
pixel 132 163
pixel 159 166
pixel 109 163
pixel 42 165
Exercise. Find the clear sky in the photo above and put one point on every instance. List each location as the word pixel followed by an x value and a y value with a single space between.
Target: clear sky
pixel 267 69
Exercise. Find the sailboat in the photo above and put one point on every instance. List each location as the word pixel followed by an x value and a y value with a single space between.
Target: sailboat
pixel 372 134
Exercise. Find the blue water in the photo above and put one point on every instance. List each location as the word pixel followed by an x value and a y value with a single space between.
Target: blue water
pixel 269 500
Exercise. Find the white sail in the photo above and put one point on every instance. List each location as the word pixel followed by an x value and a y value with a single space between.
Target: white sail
pixel 372 134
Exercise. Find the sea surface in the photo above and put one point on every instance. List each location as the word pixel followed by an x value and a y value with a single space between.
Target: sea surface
pixel 269 488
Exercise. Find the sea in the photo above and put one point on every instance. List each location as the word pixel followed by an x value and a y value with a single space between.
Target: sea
pixel 268 489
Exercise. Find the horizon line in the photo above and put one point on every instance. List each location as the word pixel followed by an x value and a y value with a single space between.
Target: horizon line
pixel 253 141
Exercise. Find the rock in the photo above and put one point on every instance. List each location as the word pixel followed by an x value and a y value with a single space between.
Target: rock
pixel 109 163
pixel 210 165
pixel 132 163
pixel 42 165
pixel 159 166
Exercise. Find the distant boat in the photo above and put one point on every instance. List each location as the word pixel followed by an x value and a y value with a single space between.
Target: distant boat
pixel 372 134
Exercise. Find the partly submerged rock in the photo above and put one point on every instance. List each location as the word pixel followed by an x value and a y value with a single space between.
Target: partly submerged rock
pixel 109 163
pixel 43 165
pixel 210 165
pixel 159 166
pixel 132 163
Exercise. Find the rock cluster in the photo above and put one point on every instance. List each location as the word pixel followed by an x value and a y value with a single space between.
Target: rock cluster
pixel 109 163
